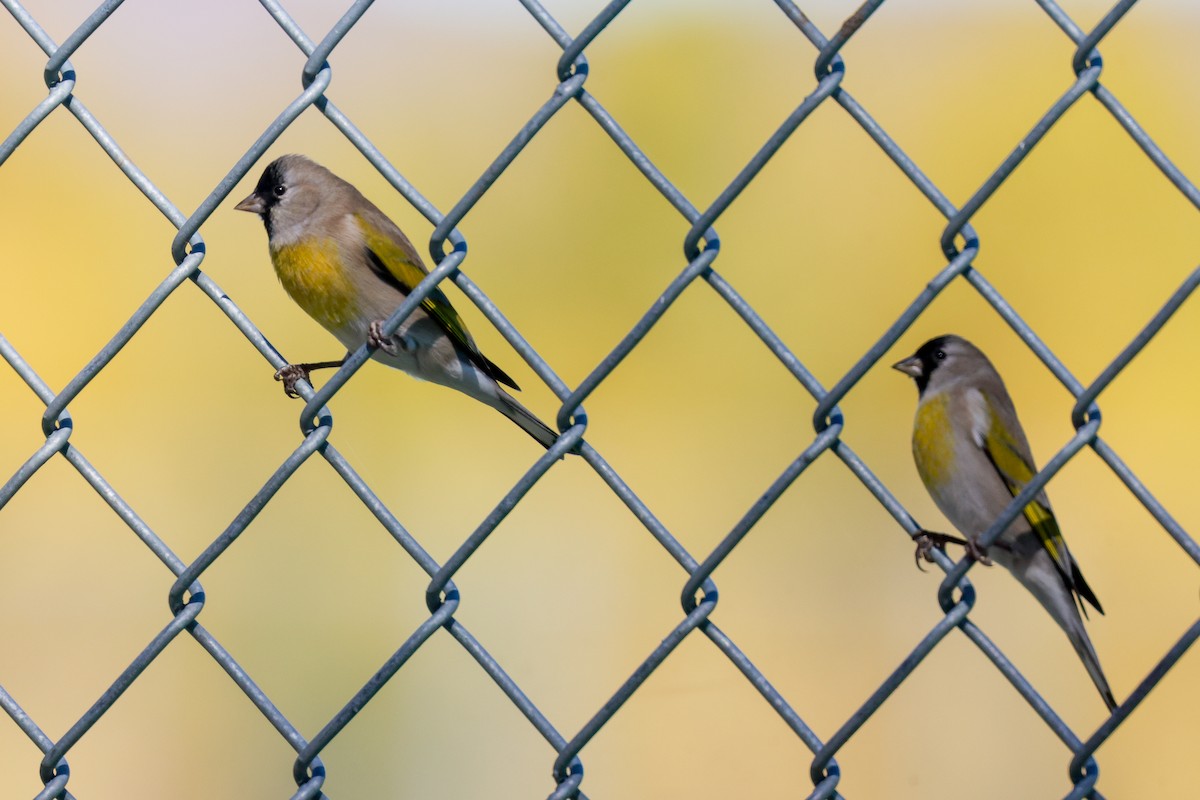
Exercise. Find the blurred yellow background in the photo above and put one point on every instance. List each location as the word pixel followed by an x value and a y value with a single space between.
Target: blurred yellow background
pixel 571 593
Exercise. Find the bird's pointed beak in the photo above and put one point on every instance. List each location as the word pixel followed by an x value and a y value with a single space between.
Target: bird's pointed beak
pixel 910 366
pixel 253 204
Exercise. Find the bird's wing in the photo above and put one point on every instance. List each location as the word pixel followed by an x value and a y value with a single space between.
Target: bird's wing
pixel 1015 467
pixel 396 262
pixel 1014 464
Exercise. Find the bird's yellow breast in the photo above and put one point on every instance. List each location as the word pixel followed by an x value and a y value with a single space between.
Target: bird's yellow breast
pixel 312 274
pixel 933 441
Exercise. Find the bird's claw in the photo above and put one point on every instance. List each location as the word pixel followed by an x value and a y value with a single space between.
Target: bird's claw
pixel 928 541
pixel 388 344
pixel 290 375
pixel 978 553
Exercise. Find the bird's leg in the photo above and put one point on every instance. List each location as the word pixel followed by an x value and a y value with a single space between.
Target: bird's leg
pixel 293 373
pixel 928 541
pixel 392 345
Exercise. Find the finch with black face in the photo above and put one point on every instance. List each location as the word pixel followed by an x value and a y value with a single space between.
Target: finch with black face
pixel 973 457
pixel 349 267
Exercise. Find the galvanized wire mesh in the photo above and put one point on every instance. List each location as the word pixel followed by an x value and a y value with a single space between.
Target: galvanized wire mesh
pixel 959 242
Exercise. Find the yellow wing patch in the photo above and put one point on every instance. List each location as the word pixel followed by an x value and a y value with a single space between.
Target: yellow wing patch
pixel 400 263
pixel 396 263
pixel 1016 471
pixel 311 273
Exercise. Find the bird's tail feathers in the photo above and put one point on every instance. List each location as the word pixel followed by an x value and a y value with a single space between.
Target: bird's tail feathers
pixel 1048 586
pixel 507 405
pixel 1082 589
pixel 1087 654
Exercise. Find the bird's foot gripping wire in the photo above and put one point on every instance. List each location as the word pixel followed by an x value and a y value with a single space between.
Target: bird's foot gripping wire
pixel 292 374
pixel 928 541
pixel 978 553
pixel 392 345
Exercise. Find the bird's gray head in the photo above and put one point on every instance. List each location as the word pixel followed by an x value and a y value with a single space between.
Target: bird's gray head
pixel 943 361
pixel 289 193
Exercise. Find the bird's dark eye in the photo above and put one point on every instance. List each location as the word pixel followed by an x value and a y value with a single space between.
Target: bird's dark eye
pixel 940 355
pixel 279 190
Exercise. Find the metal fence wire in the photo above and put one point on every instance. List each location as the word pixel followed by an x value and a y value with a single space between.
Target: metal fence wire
pixel 702 247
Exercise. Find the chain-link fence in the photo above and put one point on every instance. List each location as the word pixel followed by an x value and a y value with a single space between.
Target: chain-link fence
pixel 569 743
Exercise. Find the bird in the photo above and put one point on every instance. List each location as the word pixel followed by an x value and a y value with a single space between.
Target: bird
pixel 349 267
pixel 972 455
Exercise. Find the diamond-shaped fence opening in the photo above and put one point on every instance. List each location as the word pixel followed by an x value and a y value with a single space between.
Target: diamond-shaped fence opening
pixel 413 600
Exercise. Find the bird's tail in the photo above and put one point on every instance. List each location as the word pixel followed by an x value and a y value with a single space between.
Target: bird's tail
pixel 1053 593
pixel 1087 654
pixel 507 405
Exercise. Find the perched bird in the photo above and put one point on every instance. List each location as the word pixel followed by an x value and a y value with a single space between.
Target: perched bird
pixel 973 458
pixel 346 264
